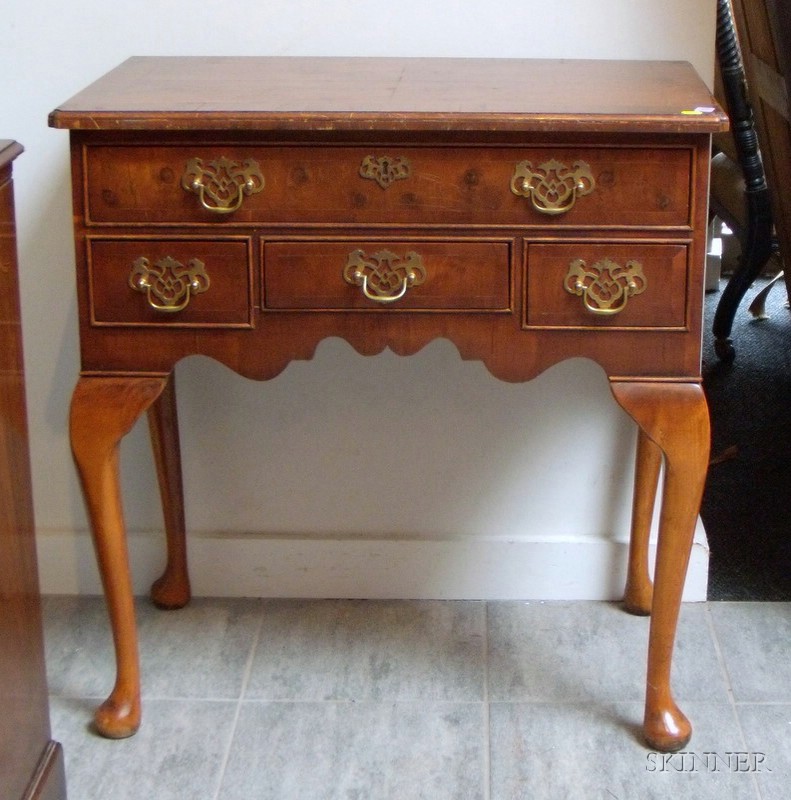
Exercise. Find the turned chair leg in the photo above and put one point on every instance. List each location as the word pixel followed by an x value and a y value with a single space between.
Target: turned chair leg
pixel 103 411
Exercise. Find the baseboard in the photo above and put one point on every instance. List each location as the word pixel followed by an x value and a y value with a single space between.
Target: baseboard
pixel 253 565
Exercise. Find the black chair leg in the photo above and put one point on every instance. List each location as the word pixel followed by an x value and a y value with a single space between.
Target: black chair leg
pixel 757 250
pixel 757 238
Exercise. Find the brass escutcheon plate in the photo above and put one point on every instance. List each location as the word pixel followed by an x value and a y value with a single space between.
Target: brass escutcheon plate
pixel 385 170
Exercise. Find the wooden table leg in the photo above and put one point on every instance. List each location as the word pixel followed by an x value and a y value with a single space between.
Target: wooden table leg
pixel 675 417
pixel 639 590
pixel 172 589
pixel 103 411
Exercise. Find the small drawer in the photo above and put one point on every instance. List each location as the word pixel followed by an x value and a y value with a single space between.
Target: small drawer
pixel 399 275
pixel 427 185
pixel 606 285
pixel 145 281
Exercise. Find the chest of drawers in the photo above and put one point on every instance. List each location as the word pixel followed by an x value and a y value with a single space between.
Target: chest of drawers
pixel 529 211
pixel 31 763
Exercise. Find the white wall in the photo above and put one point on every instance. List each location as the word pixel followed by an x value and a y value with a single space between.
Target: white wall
pixel 382 476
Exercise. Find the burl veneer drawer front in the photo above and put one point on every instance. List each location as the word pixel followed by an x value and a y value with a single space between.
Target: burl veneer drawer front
pixel 170 281
pixel 606 285
pixel 537 185
pixel 426 275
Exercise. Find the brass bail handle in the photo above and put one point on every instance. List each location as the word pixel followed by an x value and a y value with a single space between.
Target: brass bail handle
pixel 384 276
pixel 606 286
pixel 362 280
pixel 200 190
pixel 221 185
pixel 607 311
pixel 168 284
pixel 552 187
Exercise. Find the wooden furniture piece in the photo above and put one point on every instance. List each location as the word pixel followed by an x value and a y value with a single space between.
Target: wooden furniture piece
pixel 529 211
pixel 31 764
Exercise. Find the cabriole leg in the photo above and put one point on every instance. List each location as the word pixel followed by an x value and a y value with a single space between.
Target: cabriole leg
pixel 639 589
pixel 172 589
pixel 675 417
pixel 103 411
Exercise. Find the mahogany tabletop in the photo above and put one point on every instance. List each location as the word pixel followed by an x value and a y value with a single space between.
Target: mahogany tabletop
pixel 340 93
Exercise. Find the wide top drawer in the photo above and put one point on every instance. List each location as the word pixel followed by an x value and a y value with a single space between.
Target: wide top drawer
pixel 612 186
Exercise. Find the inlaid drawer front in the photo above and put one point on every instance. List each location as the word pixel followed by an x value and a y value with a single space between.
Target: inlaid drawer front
pixel 589 285
pixel 414 274
pixel 441 184
pixel 170 281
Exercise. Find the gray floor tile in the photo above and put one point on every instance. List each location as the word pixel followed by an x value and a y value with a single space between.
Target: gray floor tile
pixel 360 650
pixel 357 751
pixel 198 651
pixel 543 751
pixel 581 652
pixel 387 699
pixel 767 732
pixel 78 646
pixel 755 639
pixel 177 754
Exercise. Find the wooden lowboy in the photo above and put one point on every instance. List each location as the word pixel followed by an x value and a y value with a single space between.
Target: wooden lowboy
pixel 529 211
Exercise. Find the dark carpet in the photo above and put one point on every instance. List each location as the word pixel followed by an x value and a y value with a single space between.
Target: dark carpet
pixel 747 502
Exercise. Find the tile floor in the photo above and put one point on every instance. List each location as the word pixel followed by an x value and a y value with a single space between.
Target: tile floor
pixel 354 700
